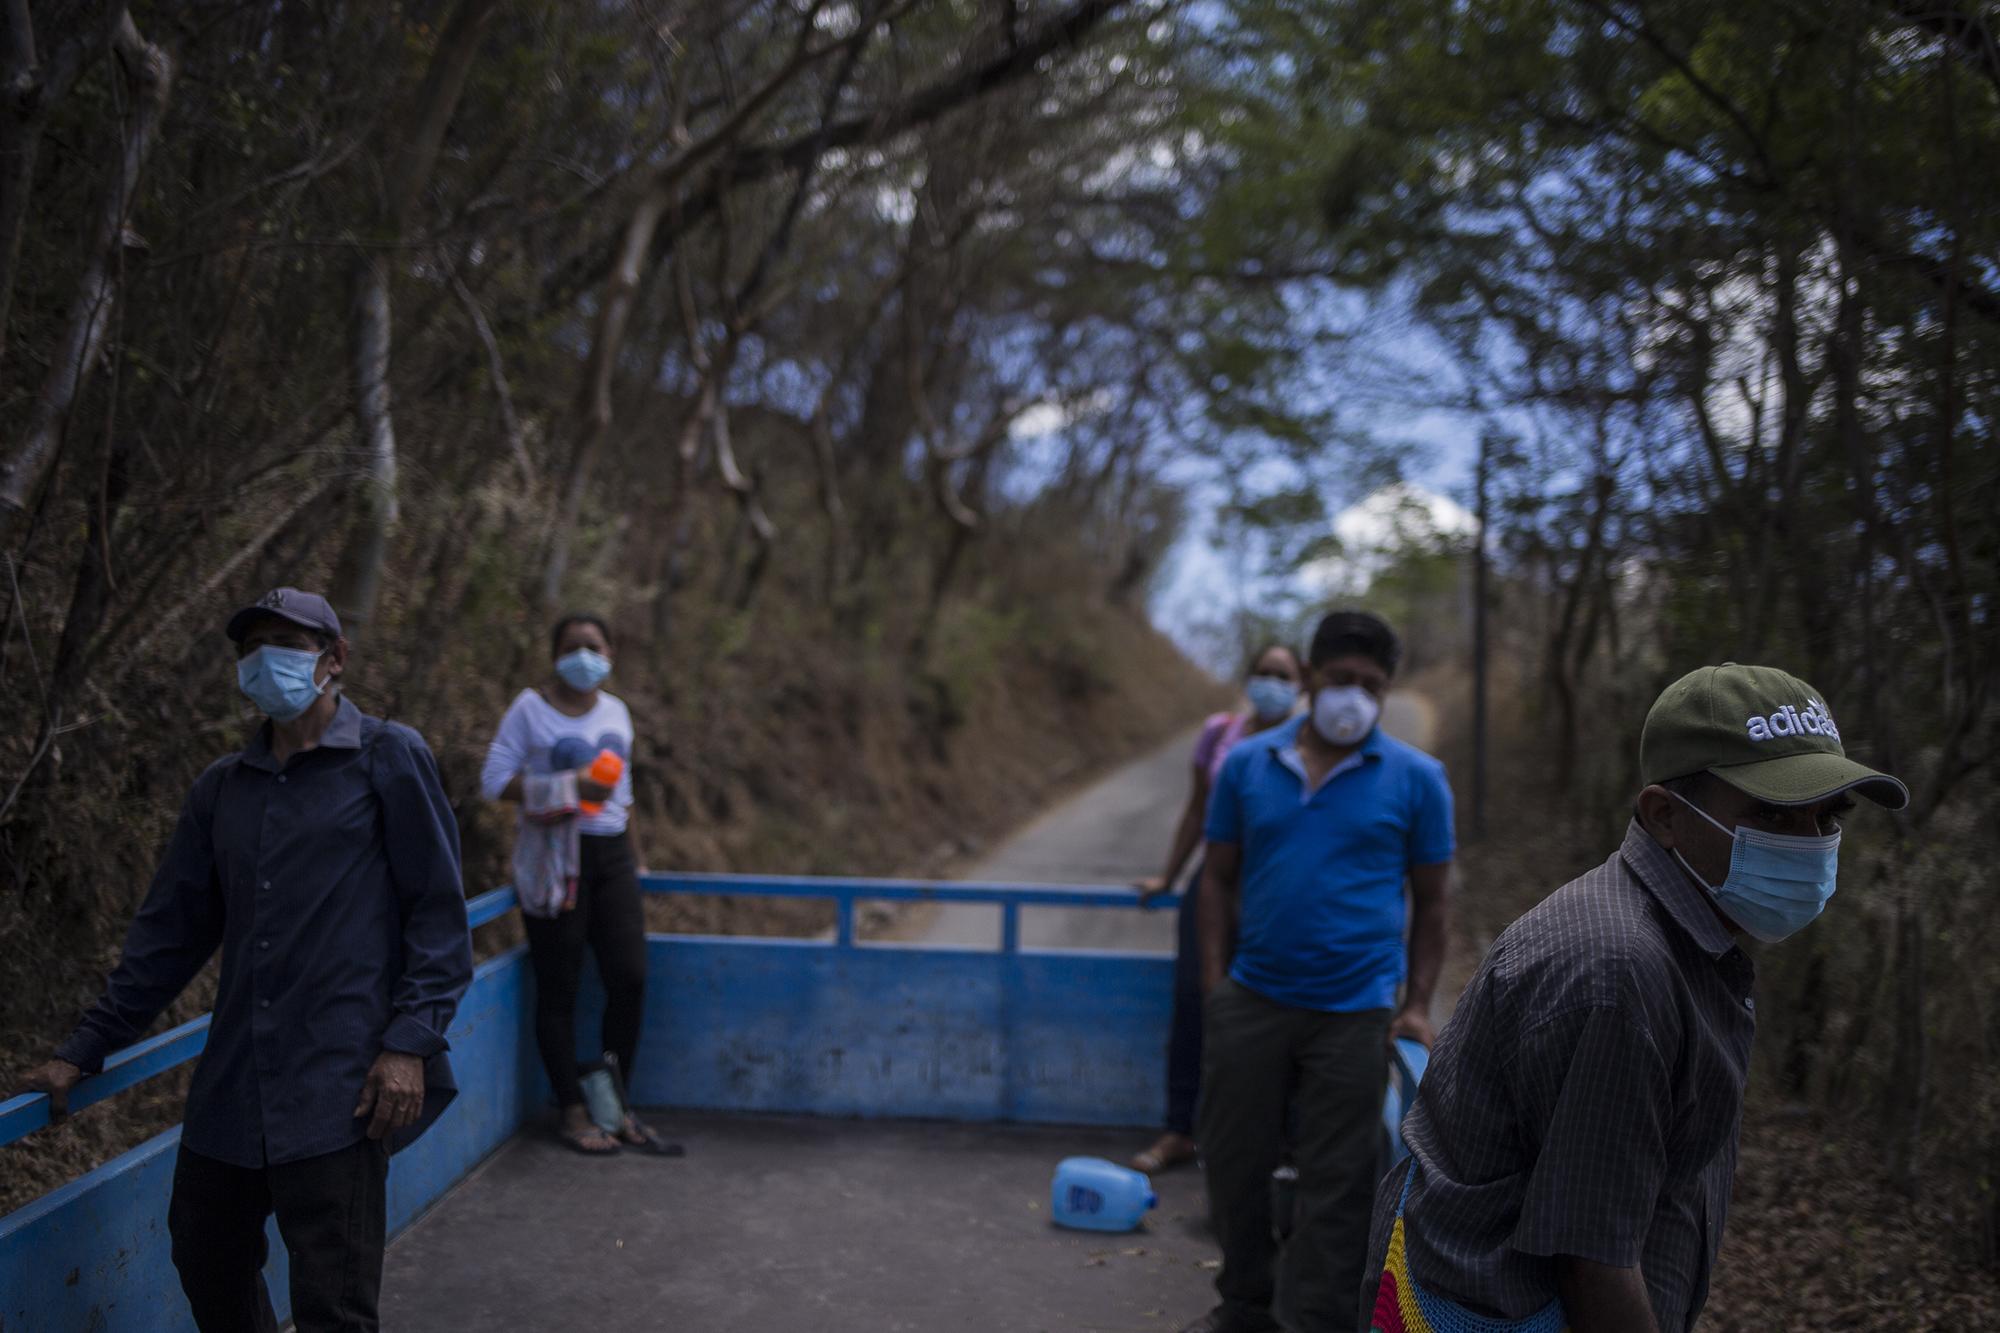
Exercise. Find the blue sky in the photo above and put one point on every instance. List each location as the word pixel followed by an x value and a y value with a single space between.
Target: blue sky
pixel 1395 384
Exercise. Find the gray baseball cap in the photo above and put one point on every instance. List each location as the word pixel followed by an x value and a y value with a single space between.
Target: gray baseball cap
pixel 308 609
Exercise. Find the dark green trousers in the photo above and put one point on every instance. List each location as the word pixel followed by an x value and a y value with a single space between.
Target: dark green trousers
pixel 1269 1071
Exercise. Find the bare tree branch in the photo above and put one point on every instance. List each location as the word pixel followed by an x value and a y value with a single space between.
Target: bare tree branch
pixel 29 86
pixel 222 573
pixel 740 485
pixel 149 75
pixel 358 579
pixel 496 369
pixel 1066 29
pixel 1968 34
pixel 621 286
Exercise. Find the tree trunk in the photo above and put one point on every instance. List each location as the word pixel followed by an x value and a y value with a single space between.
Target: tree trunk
pixel 1570 644
pixel 614 314
pixel 687 448
pixel 496 370
pixel 750 504
pixel 1479 646
pixel 820 431
pixel 358 577
pixel 357 580
pixel 956 545
pixel 90 599
pixel 23 108
pixel 90 596
pixel 29 85
pixel 1910 1067
pixel 149 78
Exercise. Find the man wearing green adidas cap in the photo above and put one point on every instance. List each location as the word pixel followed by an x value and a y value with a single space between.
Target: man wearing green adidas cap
pixel 1574 1141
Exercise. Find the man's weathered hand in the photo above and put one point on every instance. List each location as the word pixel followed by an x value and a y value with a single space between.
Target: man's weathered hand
pixel 56 1078
pixel 1150 887
pixel 393 1093
pixel 1414 1023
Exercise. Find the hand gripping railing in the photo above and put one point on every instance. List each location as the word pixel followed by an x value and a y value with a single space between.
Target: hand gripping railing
pixel 22 1115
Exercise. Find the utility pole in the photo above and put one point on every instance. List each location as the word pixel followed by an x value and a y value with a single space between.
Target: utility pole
pixel 1479 642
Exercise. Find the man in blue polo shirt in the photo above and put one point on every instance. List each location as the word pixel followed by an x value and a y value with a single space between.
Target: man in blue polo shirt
pixel 1313 830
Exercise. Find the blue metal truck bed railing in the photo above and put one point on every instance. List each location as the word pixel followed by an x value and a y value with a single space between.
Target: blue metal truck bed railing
pixel 23 1115
pixel 833 1027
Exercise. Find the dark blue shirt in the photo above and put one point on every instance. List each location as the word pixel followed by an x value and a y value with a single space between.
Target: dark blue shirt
pixel 1322 909
pixel 332 885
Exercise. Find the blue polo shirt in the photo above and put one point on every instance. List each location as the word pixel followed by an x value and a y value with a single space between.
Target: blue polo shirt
pixel 1321 887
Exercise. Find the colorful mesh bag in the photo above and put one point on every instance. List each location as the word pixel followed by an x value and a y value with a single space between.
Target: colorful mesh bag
pixel 1401 1306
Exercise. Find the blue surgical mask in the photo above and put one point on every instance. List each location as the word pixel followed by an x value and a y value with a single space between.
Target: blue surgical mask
pixel 1345 714
pixel 1777 882
pixel 583 669
pixel 1270 697
pixel 280 680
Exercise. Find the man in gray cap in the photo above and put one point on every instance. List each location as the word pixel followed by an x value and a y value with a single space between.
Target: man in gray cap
pixel 323 860
pixel 1574 1141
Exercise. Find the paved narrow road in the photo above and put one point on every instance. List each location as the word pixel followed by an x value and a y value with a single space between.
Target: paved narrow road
pixel 1113 832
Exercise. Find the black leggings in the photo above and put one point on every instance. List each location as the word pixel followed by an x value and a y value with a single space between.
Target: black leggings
pixel 606 915
pixel 1184 1030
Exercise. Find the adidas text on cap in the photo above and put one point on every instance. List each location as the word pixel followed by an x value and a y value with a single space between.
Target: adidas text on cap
pixel 1761 730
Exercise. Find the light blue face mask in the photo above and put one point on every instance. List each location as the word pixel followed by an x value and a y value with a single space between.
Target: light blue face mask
pixel 1777 882
pixel 280 680
pixel 1270 697
pixel 583 669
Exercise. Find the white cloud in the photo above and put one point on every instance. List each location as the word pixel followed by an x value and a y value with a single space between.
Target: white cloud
pixel 1039 420
pixel 897 204
pixel 1387 523
pixel 1042 419
pixel 837 20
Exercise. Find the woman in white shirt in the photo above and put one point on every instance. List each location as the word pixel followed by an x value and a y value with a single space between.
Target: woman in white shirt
pixel 562 726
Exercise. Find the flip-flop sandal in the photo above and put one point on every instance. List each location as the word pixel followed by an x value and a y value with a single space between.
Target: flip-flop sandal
pixel 575 1143
pixel 1152 1163
pixel 650 1143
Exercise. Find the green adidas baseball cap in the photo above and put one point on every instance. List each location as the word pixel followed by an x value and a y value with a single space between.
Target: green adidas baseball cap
pixel 1761 730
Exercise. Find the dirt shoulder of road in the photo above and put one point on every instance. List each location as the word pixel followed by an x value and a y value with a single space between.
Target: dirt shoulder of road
pixel 1820 1238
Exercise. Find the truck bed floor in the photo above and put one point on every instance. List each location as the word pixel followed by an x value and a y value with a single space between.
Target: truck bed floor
pixel 818 1226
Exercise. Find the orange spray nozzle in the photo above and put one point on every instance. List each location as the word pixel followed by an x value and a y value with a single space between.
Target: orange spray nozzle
pixel 605 770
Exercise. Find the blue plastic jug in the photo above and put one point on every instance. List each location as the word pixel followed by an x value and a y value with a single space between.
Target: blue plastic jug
pixel 1408 1061
pixel 1091 1194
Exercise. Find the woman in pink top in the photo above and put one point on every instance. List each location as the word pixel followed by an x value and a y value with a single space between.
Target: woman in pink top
pixel 1272 691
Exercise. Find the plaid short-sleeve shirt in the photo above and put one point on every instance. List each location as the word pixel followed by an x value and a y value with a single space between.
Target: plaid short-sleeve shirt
pixel 1585 1098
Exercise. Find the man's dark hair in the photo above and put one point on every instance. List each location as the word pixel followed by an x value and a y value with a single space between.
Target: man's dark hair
pixel 1363 632
pixel 1250 667
pixel 1691 786
pixel 577 618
